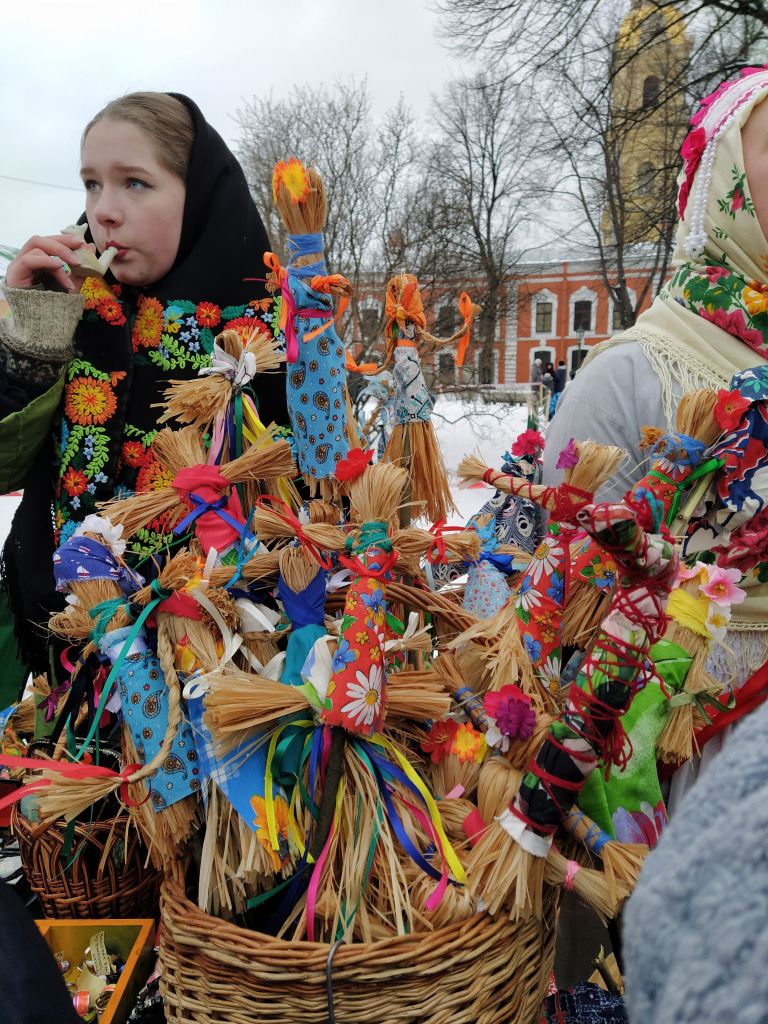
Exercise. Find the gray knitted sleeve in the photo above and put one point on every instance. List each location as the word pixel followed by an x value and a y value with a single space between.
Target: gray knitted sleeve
pixel 36 344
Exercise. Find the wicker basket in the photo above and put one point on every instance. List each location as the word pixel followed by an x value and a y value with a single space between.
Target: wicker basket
pixel 121 886
pixel 480 971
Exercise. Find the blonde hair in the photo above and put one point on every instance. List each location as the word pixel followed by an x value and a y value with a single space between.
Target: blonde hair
pixel 164 120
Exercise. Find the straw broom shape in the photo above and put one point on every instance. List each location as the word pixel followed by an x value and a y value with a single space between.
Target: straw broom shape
pixel 218 400
pixel 676 741
pixel 622 862
pixel 185 449
pixel 508 861
pixel 318 402
pixel 413 443
pixel 676 459
pixel 164 830
pixel 502 645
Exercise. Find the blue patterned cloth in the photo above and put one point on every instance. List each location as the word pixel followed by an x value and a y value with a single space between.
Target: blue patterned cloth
pixel 413 402
pixel 316 383
pixel 82 559
pixel 144 700
pixel 585 1003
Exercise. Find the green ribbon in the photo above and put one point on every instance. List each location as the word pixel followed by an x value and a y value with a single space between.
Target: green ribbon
pixel 371 534
pixel 701 470
pixel 702 698
pixel 160 594
pixel 103 613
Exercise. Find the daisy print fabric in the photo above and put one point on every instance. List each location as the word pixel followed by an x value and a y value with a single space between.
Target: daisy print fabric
pixel 539 603
pixel 357 693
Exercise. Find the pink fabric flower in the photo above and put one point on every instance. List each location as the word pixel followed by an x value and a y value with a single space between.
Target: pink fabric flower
pixel 694 145
pixel 530 442
pixel 721 587
pixel 507 692
pixel 515 719
pixel 734 323
pixel 568 456
pixel 715 273
pixel 738 199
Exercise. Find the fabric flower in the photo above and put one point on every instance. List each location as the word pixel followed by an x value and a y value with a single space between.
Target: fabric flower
pixel 148 325
pixel 133 453
pixel 530 442
pixel 556 588
pixel 74 481
pixel 605 574
pixel 568 457
pixel 508 692
pixel 89 401
pixel 755 301
pixel 261 826
pixel 715 273
pixel 208 314
pixel 173 317
pixel 109 309
pixel 644 826
pixel 532 647
pixel 376 606
pixel 343 655
pixel 353 465
pixel 468 744
pixel 728 409
pixel 694 144
pixel 734 323
pixel 366 697
pixel 546 559
pixel 717 622
pixel 721 586
pixel 515 719
pixel 526 596
pixel 439 740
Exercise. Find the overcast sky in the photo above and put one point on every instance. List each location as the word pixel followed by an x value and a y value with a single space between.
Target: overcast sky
pixel 61 62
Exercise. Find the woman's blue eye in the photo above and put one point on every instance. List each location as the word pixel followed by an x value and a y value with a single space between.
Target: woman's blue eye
pixel 136 184
pixel 90 186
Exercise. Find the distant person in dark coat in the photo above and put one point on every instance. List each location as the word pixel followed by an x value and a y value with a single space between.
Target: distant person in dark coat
pixel 561 374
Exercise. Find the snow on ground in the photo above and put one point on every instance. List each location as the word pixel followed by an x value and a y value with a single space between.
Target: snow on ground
pixel 464 426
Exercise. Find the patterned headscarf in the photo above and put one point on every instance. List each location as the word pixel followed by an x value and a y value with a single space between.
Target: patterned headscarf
pixel 722 253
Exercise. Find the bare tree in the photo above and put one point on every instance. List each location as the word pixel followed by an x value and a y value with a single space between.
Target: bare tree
pixel 518 32
pixel 620 111
pixel 483 161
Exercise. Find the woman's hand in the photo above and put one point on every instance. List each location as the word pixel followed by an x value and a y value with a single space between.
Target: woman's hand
pixel 45 254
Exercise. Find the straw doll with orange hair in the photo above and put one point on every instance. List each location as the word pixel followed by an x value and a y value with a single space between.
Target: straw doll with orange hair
pixel 413 443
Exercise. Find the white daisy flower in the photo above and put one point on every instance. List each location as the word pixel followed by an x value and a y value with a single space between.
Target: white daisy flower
pixel 366 697
pixel 546 559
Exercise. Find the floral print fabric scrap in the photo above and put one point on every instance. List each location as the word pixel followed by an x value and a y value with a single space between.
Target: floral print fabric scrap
pixel 357 692
pixel 540 601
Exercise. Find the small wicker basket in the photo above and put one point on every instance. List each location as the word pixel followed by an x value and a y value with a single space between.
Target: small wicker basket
pixel 120 884
pixel 480 971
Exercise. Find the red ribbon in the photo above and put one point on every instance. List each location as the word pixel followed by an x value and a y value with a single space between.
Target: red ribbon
pixel 285 515
pixel 437 550
pixel 67 770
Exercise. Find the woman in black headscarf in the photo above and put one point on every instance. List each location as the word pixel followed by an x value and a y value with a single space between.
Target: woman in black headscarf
pixel 86 358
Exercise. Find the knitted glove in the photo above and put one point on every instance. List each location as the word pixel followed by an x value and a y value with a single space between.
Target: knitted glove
pixel 37 344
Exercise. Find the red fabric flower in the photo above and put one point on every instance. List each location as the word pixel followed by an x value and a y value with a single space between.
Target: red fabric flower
pixel 75 482
pixel 207 314
pixel 738 199
pixel 530 442
pixel 715 273
pixel 729 407
pixel 109 309
pixel 508 692
pixel 694 144
pixel 439 739
pixel 354 464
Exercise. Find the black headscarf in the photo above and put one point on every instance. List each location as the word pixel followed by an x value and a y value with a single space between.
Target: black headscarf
pixel 210 285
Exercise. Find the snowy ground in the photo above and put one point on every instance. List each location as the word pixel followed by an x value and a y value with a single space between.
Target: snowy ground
pixel 462 427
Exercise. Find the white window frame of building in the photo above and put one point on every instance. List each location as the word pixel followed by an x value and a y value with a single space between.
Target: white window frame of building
pixel 535 353
pixel 584 294
pixel 612 306
pixel 545 295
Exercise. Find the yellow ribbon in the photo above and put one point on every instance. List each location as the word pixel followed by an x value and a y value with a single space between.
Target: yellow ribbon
pixel 448 853
pixel 269 801
pixel 257 428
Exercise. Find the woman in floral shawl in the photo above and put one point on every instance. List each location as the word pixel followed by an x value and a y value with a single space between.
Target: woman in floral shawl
pixel 163 189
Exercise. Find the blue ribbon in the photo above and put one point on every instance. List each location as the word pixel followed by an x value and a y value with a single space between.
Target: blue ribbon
pixel 304 245
pixel 201 505
pixel 668 448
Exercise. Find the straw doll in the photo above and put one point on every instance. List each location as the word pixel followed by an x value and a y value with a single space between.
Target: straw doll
pixel 508 862
pixel 316 382
pixel 412 443
pixel 221 401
